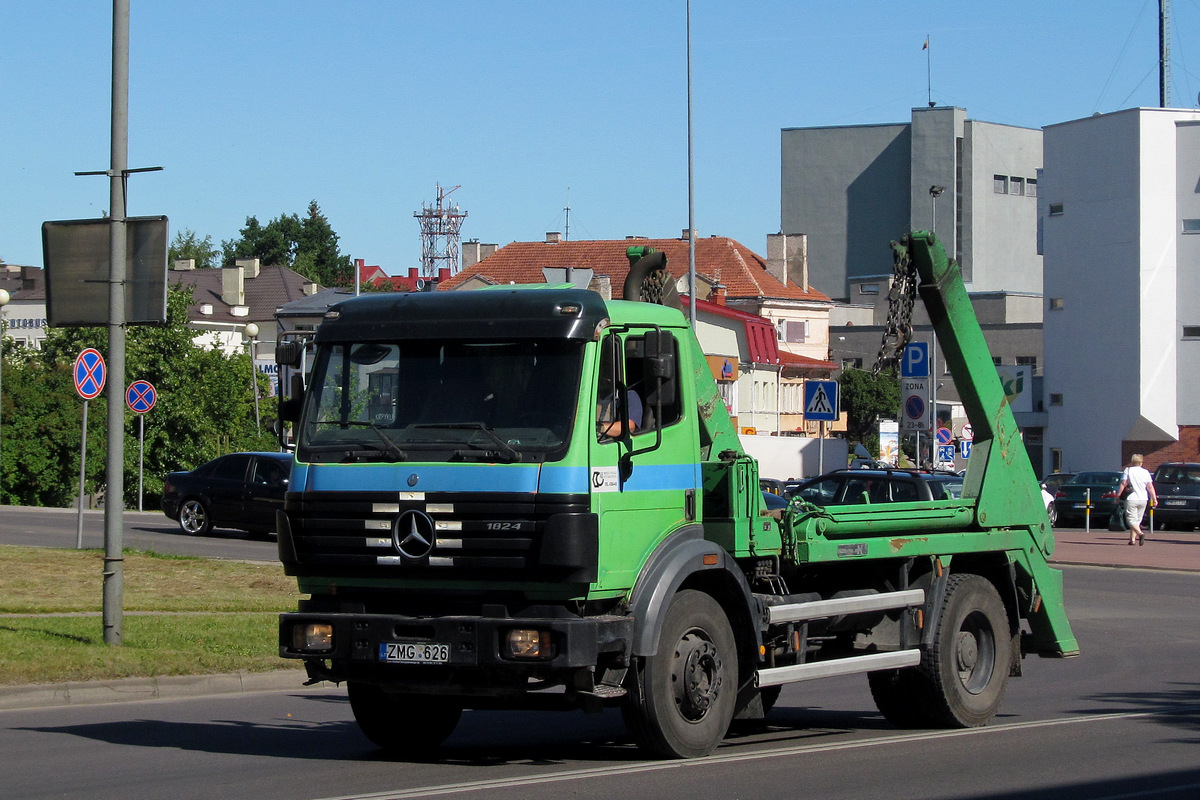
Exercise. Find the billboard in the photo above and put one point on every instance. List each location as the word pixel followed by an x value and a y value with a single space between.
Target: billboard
pixel 76 256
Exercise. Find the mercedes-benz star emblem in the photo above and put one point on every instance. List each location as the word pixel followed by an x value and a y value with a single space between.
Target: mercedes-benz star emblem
pixel 412 535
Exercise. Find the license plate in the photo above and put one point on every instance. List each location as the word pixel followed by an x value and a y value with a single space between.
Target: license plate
pixel 1079 505
pixel 414 652
pixel 1175 502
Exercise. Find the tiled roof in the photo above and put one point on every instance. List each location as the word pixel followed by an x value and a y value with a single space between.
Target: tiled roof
pixel 718 259
pixel 273 287
pixel 791 360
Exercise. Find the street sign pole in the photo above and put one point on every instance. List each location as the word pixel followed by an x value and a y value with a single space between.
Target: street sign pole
pixel 82 472
pixel 114 498
pixel 141 450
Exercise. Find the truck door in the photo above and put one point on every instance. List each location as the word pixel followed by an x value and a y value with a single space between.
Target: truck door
pixel 644 466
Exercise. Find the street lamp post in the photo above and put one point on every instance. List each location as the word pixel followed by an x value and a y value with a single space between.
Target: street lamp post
pixel 934 193
pixel 252 332
pixel 4 298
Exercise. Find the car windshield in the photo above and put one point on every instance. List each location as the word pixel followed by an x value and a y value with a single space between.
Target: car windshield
pixel 441 401
pixel 1178 473
pixel 1096 478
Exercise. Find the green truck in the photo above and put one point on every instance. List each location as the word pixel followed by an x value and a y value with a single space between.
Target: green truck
pixel 535 498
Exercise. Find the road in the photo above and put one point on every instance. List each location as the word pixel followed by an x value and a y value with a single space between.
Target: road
pixel 145 530
pixel 1120 721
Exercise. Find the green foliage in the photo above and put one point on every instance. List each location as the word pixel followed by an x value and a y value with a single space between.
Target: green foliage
pixel 205 408
pixel 188 245
pixel 309 246
pixel 868 398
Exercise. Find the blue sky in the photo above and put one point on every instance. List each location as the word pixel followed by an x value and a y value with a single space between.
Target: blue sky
pixel 256 108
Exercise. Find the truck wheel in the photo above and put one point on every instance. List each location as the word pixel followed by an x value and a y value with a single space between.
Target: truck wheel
pixel 902 696
pixel 969 661
pixel 193 517
pixel 402 724
pixel 683 696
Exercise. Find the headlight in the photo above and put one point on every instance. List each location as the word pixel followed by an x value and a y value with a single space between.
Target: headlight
pixel 312 637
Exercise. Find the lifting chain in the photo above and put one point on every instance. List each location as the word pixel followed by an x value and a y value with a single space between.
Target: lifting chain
pixel 897 331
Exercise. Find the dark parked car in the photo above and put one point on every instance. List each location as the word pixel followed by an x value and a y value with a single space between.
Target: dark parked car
pixel 853 486
pixel 240 490
pixel 1050 488
pixel 1070 502
pixel 1178 487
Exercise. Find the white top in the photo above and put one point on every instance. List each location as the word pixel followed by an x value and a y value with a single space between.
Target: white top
pixel 1138 479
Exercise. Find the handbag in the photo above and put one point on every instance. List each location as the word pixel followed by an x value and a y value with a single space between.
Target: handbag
pixel 1116 520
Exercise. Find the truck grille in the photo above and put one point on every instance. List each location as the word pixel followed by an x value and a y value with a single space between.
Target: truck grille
pixel 434 535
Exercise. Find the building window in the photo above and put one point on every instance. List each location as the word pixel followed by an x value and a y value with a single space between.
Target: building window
pixel 1028 361
pixel 1056 399
pixel 1191 226
pixel 1057 303
pixel 795 331
pixel 996 360
pixel 1016 186
pixel 852 363
pixel 1000 184
pixel 1031 187
pixel 1191 331
pixel 868 288
pixel 1056 209
pixel 1056 459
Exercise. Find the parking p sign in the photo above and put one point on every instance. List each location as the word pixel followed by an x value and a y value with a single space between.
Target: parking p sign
pixel 915 363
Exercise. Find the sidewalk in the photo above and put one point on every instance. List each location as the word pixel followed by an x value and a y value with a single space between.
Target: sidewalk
pixel 1169 550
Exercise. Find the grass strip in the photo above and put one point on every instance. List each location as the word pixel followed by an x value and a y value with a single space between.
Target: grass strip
pixel 228 620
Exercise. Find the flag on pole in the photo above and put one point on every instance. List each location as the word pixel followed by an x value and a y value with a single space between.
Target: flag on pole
pixel 926 45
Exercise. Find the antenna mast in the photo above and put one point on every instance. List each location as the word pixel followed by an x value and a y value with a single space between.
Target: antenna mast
pixel 1164 53
pixel 440 235
pixel 567 225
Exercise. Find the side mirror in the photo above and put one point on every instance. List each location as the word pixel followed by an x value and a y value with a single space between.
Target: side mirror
pixel 288 354
pixel 289 410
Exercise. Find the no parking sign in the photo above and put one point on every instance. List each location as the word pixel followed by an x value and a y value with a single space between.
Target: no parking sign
pixel 140 397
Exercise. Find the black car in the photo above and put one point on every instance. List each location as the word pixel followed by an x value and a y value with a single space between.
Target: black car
pixel 240 490
pixel 854 486
pixel 1097 488
pixel 1177 485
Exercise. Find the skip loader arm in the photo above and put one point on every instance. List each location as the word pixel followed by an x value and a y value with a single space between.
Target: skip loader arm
pixel 1000 476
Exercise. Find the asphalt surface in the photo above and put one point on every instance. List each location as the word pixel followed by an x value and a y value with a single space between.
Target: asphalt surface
pixel 1161 550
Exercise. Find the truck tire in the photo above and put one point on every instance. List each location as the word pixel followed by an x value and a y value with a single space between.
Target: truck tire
pixel 684 695
pixel 902 696
pixel 402 724
pixel 972 650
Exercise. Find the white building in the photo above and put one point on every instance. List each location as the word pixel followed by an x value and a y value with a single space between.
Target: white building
pixel 1120 219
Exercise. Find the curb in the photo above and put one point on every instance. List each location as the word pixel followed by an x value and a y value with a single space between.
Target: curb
pixel 125 690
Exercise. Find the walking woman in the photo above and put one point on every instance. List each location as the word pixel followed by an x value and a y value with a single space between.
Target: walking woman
pixel 1141 486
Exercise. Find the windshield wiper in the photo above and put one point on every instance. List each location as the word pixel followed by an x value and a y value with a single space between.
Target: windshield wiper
pixel 505 448
pixel 389 445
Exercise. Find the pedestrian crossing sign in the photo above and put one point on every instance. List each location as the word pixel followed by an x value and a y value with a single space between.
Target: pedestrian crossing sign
pixel 821 401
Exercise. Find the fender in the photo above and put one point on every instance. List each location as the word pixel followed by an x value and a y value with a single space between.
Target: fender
pixel 679 557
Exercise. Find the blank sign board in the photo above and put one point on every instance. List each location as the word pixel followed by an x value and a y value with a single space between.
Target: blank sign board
pixel 76 257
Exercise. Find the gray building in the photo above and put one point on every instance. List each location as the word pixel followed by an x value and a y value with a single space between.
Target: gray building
pixel 852 189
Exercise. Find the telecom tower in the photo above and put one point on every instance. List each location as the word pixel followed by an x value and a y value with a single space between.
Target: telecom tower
pixel 440 226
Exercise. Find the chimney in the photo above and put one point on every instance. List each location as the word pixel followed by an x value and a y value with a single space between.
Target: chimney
pixel 443 274
pixel 717 294
pixel 233 285
pixel 309 288
pixel 251 265
pixel 553 237
pixel 182 264
pixel 787 258
pixel 685 236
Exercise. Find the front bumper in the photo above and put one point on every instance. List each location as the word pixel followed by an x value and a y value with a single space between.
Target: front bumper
pixel 473 641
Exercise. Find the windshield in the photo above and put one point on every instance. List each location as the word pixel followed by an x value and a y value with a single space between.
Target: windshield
pixel 441 401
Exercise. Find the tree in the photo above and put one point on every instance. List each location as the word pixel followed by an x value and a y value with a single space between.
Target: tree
pixel 867 399
pixel 205 408
pixel 309 246
pixel 188 245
